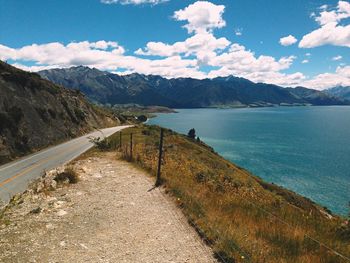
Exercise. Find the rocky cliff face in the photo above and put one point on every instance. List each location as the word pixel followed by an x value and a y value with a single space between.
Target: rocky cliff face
pixel 35 113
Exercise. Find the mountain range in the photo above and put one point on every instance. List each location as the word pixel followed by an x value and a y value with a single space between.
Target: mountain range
pixel 108 88
pixel 342 92
pixel 35 113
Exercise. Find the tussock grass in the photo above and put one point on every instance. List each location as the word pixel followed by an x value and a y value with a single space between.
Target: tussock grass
pixel 242 217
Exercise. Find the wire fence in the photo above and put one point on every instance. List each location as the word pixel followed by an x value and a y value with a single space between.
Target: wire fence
pixel 148 148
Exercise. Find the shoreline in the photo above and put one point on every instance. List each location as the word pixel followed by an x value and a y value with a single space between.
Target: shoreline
pixel 339 209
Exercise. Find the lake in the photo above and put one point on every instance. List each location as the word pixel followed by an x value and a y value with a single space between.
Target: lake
pixel 305 149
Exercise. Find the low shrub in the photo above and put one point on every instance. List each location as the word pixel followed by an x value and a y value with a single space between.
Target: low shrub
pixel 101 144
pixel 68 175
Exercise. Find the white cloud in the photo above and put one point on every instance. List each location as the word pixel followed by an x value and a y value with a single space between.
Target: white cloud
pixel 180 59
pixel 239 59
pixel 104 44
pixel 288 40
pixel 103 56
pixel 323 7
pixel 305 61
pixel 341 77
pixel 34 68
pixel 243 63
pixel 200 45
pixel 230 59
pixel 75 53
pixel 202 16
pixel 236 60
pixel 134 2
pixel 330 31
pixel 329 34
pixel 336 58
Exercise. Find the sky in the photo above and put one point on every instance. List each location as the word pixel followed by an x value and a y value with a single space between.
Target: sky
pixel 284 42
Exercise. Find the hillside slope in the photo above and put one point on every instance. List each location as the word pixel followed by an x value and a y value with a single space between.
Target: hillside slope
pixel 244 218
pixel 35 113
pixel 108 88
pixel 316 97
pixel 342 92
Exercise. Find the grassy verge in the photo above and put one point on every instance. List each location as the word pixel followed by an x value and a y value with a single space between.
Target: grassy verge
pixel 242 217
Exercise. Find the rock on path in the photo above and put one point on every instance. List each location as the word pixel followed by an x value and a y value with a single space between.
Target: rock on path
pixel 109 216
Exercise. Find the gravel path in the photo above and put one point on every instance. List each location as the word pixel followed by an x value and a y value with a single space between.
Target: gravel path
pixel 109 216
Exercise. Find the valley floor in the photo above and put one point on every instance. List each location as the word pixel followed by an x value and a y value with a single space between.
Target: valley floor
pixel 111 215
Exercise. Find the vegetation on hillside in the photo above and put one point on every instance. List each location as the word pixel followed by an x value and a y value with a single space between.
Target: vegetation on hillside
pixel 242 217
pixel 35 113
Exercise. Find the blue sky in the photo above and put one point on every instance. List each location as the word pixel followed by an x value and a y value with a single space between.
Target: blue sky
pixel 286 42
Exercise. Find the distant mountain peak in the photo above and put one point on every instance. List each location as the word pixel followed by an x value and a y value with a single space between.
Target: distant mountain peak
pixel 104 87
pixel 340 92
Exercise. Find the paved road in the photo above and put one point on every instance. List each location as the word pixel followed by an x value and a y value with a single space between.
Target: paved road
pixel 15 176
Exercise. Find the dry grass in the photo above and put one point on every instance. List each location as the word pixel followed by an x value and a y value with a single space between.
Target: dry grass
pixel 242 217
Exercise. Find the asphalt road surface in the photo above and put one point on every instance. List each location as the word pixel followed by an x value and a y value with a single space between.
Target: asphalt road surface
pixel 15 176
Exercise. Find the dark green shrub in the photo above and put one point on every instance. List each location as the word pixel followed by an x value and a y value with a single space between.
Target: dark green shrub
pixel 5 122
pixel 142 118
pixel 192 134
pixel 52 113
pixel 80 114
pixel 101 144
pixel 69 174
pixel 42 113
pixel 16 114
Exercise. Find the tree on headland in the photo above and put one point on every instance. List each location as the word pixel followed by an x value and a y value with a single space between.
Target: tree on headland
pixel 192 134
pixel 142 118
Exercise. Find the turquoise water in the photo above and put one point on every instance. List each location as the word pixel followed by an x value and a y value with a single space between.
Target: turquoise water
pixel 305 149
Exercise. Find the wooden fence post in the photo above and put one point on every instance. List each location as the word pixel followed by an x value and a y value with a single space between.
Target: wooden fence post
pixel 158 180
pixel 130 146
pixel 120 140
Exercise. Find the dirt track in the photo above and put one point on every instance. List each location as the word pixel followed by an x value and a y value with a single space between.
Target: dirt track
pixel 109 216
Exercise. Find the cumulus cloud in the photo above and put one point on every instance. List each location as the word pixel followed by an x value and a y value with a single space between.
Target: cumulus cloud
pixel 180 59
pixel 201 45
pixel 288 40
pixel 133 2
pixel 102 55
pixel 305 61
pixel 75 53
pixel 230 59
pixel 241 62
pixel 341 77
pixel 202 16
pixel 239 59
pixel 235 60
pixel 330 32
